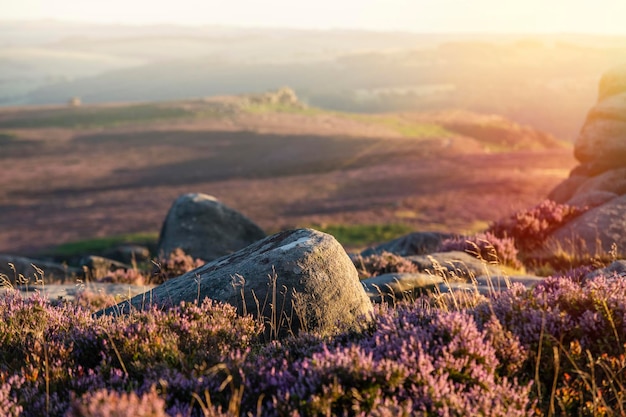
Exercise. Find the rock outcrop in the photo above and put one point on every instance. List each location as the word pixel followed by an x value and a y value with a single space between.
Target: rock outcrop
pixel 599 182
pixel 294 280
pixel 205 228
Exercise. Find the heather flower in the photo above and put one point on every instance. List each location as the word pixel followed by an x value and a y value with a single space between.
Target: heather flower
pixel 383 263
pixel 428 362
pixel 176 264
pixel 8 398
pixel 530 228
pixel 104 403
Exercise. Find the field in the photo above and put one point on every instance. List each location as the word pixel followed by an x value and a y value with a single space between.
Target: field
pixel 76 173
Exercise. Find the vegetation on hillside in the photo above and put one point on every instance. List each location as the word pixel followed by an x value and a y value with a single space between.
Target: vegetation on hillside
pixel 556 349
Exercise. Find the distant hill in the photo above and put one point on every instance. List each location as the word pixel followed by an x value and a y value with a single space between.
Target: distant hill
pixel 544 81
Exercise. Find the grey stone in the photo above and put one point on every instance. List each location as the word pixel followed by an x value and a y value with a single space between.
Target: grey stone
pixel 592 233
pixel 399 286
pixel 591 199
pixel 613 181
pixel 617 268
pixel 99 266
pixel 418 243
pixel 128 254
pixel 567 188
pixel 294 280
pixel 68 292
pixel 487 285
pixel 205 228
pixel 24 266
pixel 454 265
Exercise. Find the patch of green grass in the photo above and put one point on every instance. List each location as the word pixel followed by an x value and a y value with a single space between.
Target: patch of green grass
pixel 359 235
pixel 96 116
pixel 7 138
pixel 100 244
pixel 260 108
pixel 406 128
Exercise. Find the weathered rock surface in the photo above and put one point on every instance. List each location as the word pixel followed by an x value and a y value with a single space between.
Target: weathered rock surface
pixel 613 82
pixel 399 286
pixel 486 285
pixel 566 189
pixel 613 181
pixel 617 268
pixel 594 232
pixel 294 280
pixel 456 265
pixel 128 254
pixel 24 266
pixel 600 181
pixel 591 199
pixel 205 228
pixel 68 292
pixel 602 141
pixel 99 266
pixel 418 243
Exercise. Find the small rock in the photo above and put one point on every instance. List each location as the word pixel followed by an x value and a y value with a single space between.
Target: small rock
pixel 24 266
pixel 206 229
pixel 454 265
pixel 418 243
pixel 399 286
pixel 617 268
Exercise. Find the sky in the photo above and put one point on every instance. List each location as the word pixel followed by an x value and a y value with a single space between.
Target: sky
pixel 504 16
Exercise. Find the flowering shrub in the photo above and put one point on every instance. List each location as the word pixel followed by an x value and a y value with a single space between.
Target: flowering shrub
pixel 176 264
pixel 529 228
pixel 584 324
pixel 558 348
pixel 104 403
pixel 8 397
pixel 485 246
pixel 385 263
pixel 413 362
pixel 75 352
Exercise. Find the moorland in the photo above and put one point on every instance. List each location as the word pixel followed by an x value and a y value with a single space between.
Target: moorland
pixel 92 171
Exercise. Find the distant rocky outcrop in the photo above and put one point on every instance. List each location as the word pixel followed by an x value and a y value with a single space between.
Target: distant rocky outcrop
pixel 205 228
pixel 284 96
pixel 294 280
pixel 599 181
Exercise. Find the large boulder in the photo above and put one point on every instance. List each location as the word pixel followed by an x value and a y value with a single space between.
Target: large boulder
pixel 418 243
pixel 594 232
pixel 566 189
pixel 602 140
pixel 294 280
pixel 205 228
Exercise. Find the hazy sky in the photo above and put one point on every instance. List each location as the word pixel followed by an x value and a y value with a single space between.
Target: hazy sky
pixel 583 16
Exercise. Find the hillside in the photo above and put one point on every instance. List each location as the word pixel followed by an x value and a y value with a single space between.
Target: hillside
pixel 73 173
